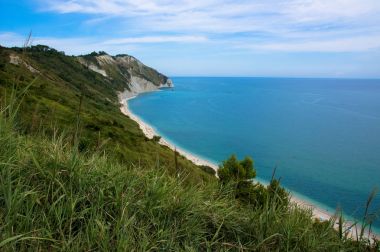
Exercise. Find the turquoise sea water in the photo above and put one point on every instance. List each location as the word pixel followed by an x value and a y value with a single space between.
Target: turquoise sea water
pixel 322 135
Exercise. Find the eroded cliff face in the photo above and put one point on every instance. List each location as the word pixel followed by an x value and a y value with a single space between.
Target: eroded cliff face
pixel 137 77
pixel 17 60
pixel 140 85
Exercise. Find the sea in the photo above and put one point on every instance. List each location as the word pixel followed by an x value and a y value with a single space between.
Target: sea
pixel 320 136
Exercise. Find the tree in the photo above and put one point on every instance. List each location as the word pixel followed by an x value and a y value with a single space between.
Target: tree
pixel 156 139
pixel 234 170
pixel 240 175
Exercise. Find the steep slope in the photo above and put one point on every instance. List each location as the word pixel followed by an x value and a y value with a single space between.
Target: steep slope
pixel 125 68
pixel 69 95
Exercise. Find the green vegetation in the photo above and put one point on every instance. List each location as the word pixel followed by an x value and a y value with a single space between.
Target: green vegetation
pixel 239 174
pixel 53 197
pixel 67 96
pixel 156 139
pixel 76 175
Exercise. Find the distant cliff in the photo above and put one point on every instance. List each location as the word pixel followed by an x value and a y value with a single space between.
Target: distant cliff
pixel 128 75
pixel 138 77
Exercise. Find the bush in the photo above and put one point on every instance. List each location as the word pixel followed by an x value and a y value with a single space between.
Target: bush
pixel 156 139
pixel 234 170
pixel 239 174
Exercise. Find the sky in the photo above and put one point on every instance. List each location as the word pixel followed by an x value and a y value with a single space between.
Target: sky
pixel 270 38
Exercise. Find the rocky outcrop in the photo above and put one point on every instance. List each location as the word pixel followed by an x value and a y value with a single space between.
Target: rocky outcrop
pixel 16 60
pixel 93 67
pixel 131 74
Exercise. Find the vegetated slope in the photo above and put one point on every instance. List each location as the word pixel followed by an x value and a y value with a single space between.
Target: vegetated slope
pixel 67 94
pixel 53 198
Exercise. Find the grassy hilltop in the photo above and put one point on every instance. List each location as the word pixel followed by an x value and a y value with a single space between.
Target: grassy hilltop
pixel 77 175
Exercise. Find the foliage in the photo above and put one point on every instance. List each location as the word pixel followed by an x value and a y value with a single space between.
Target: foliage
pixel 100 53
pixel 240 175
pixel 234 170
pixel 156 139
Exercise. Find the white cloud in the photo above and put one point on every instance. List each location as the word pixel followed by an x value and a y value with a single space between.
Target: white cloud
pixel 74 46
pixel 320 10
pixel 156 39
pixel 85 6
pixel 317 24
pixel 227 12
pixel 85 45
pixel 11 39
pixel 357 44
pixel 271 25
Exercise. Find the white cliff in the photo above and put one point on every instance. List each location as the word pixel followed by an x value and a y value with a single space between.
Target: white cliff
pixel 138 78
pixel 139 85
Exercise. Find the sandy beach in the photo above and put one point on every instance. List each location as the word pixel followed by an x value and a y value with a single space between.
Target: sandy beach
pixel 150 132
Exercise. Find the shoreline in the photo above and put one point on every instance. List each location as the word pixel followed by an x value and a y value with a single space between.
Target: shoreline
pixel 150 132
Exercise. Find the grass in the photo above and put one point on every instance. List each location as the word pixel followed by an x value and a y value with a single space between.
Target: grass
pixel 57 196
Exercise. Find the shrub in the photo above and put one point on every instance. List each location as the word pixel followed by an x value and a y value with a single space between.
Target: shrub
pixel 156 139
pixel 240 175
pixel 235 170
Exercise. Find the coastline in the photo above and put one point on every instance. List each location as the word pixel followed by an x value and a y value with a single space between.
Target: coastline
pixel 317 212
pixel 150 132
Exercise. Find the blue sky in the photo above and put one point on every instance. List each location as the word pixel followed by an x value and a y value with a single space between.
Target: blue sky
pixel 292 38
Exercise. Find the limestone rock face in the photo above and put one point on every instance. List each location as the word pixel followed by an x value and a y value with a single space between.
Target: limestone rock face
pixel 136 76
pixel 93 67
pixel 16 60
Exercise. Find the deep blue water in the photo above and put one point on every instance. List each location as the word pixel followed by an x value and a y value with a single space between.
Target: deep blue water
pixel 323 135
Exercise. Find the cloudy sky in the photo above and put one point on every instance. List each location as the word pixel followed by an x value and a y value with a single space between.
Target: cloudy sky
pixel 292 38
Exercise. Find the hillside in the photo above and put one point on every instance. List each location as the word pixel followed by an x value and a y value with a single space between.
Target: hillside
pixel 81 95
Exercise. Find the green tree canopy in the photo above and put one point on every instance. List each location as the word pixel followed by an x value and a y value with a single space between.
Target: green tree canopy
pixel 240 172
pixel 234 170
